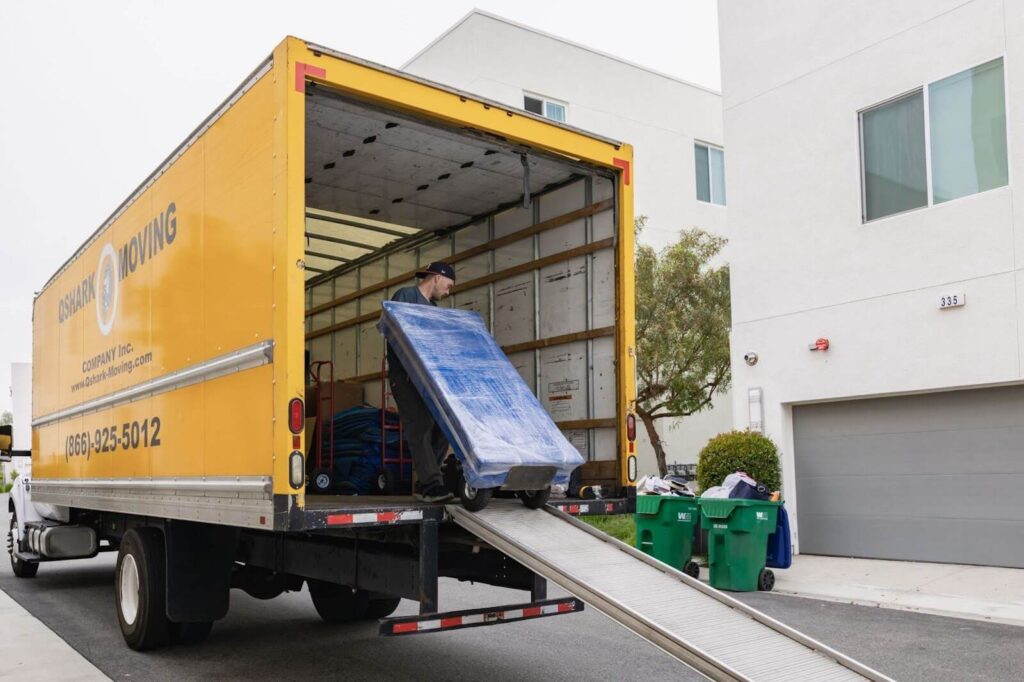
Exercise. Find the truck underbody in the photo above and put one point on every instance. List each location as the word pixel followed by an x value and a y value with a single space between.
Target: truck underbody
pixel 357 556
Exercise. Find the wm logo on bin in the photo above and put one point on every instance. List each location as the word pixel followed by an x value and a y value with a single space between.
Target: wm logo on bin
pixel 685 516
pixel 761 516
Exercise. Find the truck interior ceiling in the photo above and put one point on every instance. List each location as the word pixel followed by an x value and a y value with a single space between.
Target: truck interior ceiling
pixel 387 193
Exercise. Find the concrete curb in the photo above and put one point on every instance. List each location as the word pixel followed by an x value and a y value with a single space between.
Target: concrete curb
pixel 31 651
pixel 982 593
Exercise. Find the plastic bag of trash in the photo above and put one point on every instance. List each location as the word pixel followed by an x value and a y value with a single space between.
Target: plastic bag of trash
pixel 653 485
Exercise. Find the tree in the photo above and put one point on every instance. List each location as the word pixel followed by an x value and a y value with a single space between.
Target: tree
pixel 6 418
pixel 682 330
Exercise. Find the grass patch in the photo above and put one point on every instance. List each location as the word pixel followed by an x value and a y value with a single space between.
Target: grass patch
pixel 619 526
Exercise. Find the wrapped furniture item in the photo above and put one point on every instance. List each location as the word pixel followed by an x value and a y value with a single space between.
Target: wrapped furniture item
pixel 498 429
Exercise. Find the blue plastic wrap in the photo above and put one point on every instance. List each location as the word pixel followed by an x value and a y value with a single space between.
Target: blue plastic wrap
pixel 490 416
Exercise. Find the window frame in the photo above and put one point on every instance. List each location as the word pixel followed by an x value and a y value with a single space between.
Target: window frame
pixel 545 100
pixel 711 191
pixel 926 109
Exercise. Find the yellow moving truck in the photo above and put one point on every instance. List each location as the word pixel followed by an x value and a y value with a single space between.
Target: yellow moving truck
pixel 171 352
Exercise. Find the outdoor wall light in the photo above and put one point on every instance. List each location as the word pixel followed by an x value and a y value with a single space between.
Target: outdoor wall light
pixel 750 358
pixel 820 344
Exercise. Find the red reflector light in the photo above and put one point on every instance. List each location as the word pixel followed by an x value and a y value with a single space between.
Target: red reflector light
pixel 631 427
pixel 296 415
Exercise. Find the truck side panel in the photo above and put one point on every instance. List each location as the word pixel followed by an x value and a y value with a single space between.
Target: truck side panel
pixel 179 280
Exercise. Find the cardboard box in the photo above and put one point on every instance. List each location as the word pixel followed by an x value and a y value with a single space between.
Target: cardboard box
pixel 346 395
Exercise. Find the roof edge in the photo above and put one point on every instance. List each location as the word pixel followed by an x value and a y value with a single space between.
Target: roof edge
pixel 551 36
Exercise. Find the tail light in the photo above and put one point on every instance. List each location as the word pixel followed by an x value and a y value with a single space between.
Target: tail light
pixel 296 473
pixel 631 427
pixel 296 415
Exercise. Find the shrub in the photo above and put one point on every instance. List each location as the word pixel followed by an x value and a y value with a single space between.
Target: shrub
pixel 739 451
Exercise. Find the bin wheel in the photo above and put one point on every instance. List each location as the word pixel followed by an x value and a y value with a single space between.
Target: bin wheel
pixel 692 569
pixel 337 603
pixel 765 580
pixel 21 569
pixel 474 499
pixel 535 499
pixel 320 481
pixel 140 589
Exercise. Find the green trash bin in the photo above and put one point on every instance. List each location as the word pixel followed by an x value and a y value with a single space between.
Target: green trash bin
pixel 664 529
pixel 738 533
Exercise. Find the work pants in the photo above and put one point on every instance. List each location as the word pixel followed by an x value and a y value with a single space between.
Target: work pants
pixel 427 443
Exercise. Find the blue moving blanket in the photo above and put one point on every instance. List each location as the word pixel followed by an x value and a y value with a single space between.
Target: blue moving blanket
pixel 491 417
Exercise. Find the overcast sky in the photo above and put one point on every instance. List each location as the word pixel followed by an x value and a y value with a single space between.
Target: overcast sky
pixel 94 95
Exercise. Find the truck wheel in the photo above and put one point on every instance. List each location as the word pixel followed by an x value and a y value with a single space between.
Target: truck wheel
pixel 22 569
pixel 535 499
pixel 140 589
pixel 337 603
pixel 474 499
pixel 381 608
pixel 190 633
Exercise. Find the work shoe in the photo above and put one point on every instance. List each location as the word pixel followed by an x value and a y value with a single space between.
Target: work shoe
pixel 434 493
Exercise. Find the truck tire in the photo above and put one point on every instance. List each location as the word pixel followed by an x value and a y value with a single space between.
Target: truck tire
pixel 21 569
pixel 382 607
pixel 337 603
pixel 190 633
pixel 535 499
pixel 140 589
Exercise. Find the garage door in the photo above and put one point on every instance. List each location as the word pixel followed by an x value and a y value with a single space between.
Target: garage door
pixel 937 477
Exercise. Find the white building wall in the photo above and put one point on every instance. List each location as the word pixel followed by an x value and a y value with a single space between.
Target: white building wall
pixel 659 115
pixel 21 399
pixel 795 75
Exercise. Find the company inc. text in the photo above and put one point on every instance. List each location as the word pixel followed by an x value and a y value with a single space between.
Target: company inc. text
pixel 111 362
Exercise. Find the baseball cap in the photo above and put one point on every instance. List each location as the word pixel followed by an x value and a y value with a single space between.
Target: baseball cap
pixel 437 268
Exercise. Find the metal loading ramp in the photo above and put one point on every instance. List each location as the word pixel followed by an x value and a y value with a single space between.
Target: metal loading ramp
pixel 709 631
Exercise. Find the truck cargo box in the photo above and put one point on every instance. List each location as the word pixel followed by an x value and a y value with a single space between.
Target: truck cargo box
pixel 168 349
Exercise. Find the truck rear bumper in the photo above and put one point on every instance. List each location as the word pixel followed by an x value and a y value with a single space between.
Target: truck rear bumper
pixel 474 618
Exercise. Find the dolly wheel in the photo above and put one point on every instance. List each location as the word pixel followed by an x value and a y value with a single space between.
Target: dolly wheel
pixel 474 499
pixel 692 569
pixel 765 580
pixel 385 482
pixel 535 499
pixel 320 482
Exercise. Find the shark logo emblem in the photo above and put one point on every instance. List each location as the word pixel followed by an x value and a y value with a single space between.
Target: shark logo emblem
pixel 106 302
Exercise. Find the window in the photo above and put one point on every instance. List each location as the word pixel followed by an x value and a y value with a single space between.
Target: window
pixel 545 107
pixel 909 161
pixel 710 167
pixel 895 178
